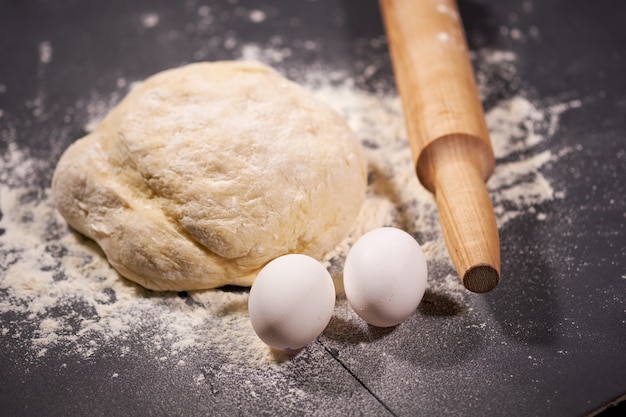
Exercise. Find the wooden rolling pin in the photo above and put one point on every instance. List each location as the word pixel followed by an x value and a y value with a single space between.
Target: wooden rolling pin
pixel 447 130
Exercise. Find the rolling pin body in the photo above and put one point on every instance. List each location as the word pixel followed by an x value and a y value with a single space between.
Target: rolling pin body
pixel 447 130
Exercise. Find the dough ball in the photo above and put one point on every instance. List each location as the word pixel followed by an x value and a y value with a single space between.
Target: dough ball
pixel 205 173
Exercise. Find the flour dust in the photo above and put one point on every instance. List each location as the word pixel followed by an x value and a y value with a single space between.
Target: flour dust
pixel 59 296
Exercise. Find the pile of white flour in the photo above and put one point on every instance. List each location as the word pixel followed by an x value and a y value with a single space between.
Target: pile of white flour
pixel 59 296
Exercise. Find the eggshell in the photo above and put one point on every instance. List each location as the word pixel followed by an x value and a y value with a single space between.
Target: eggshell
pixel 385 276
pixel 291 301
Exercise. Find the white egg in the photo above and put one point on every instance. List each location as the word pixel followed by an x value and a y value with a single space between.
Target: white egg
pixel 291 301
pixel 385 276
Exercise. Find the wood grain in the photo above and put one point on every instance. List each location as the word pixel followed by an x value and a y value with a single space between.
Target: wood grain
pixel 447 131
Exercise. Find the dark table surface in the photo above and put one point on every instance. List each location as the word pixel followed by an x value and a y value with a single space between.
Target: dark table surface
pixel 557 321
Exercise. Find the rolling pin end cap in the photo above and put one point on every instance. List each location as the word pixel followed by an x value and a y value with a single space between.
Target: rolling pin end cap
pixel 481 278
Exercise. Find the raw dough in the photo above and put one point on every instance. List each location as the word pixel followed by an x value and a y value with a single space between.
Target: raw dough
pixel 205 173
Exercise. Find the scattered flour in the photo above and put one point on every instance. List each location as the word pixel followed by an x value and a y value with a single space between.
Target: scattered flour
pixel 58 293
pixel 256 16
pixel 149 20
pixel 45 52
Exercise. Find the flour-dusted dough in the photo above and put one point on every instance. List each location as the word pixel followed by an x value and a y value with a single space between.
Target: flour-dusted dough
pixel 205 173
